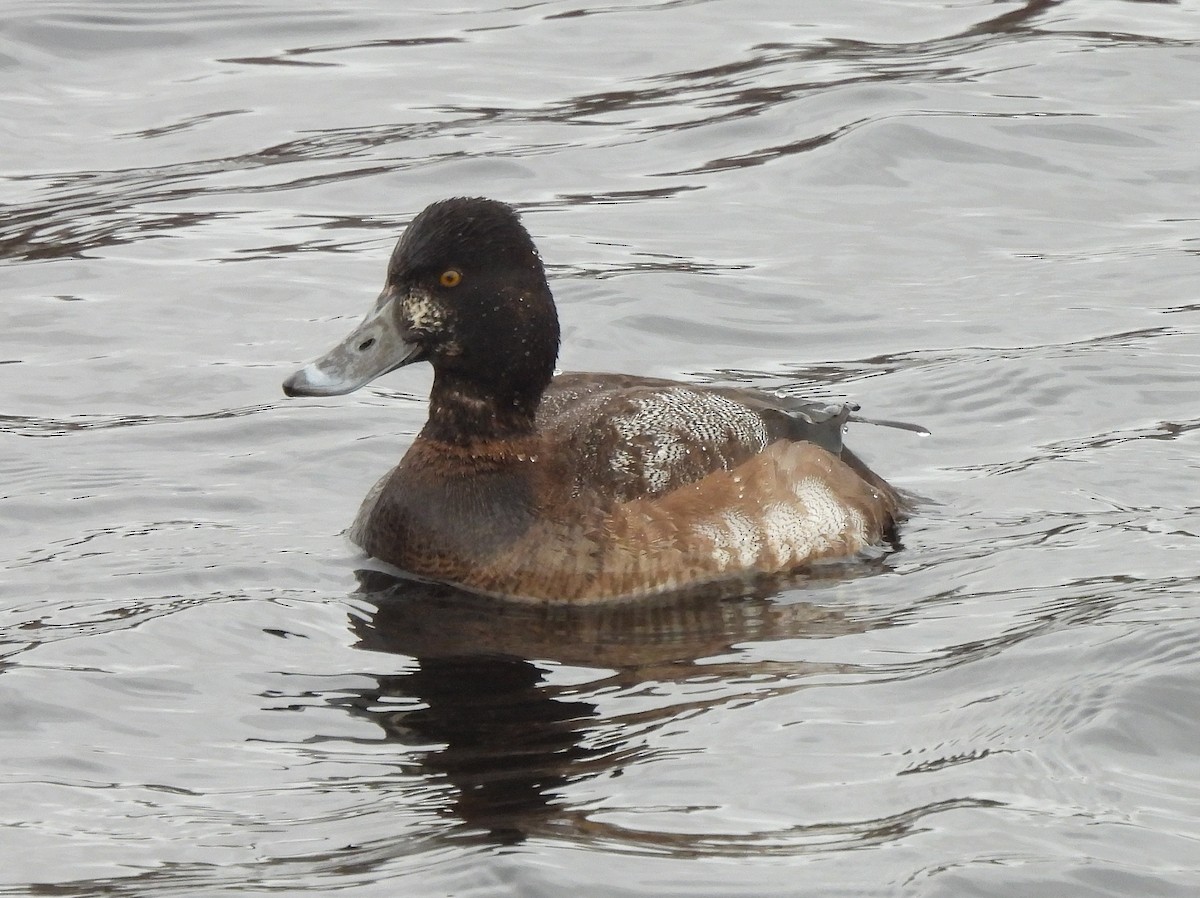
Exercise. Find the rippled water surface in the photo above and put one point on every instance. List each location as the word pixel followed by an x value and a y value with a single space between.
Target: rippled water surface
pixel 980 216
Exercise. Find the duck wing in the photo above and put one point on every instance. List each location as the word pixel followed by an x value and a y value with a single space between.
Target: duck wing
pixel 633 438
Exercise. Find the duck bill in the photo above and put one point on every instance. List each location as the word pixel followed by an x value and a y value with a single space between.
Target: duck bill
pixel 372 349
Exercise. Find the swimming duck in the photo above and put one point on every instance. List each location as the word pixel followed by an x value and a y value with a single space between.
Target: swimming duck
pixel 578 487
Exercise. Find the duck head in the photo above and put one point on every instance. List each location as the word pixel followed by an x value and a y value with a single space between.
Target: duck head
pixel 466 292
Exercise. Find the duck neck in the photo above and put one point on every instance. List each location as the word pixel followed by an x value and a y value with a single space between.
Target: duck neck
pixel 463 411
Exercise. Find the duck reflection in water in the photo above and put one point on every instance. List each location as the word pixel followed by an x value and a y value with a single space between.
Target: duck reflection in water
pixel 510 736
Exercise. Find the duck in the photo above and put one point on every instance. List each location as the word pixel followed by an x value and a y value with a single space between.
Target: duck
pixel 579 487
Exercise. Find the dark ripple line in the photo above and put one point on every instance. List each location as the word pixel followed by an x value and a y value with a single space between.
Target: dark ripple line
pixel 291 57
pixel 850 370
pixel 1163 430
pixel 340 869
pixel 43 427
pixel 183 124
pixel 584 12
pixel 794 840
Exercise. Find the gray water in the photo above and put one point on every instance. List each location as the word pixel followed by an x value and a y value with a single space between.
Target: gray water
pixel 983 217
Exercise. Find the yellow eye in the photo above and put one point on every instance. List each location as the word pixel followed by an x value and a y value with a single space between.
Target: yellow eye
pixel 450 277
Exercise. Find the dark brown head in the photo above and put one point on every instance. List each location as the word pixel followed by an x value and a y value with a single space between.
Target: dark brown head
pixel 467 293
